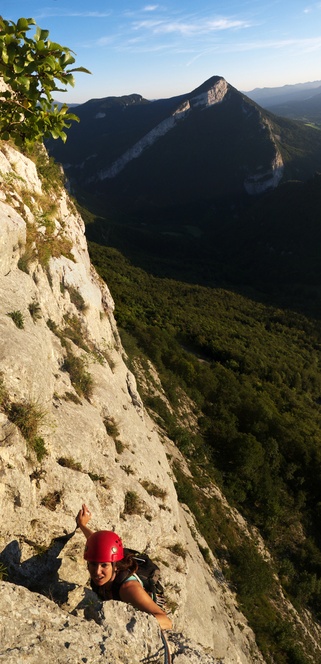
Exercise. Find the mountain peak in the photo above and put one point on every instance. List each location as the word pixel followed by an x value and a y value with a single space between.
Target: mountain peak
pixel 207 85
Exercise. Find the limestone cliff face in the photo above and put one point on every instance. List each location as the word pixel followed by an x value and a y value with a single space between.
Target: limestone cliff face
pixel 69 438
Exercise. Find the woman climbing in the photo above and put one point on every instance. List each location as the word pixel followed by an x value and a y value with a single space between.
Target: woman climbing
pixel 112 571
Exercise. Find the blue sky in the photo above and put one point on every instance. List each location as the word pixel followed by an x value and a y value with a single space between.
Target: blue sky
pixel 162 49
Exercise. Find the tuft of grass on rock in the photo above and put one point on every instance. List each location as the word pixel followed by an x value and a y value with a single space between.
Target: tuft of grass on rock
pixel 128 470
pixel 51 500
pixel 111 427
pixel 4 395
pixel 132 504
pixel 69 462
pixel 154 490
pixel 71 396
pixel 39 447
pixel 119 446
pixel 77 299
pixel 96 478
pixel 79 376
pixel 34 310
pixel 17 318
pixel 27 416
pixel 178 550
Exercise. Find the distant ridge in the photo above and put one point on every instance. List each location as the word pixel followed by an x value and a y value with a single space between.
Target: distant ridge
pixel 268 97
pixel 207 145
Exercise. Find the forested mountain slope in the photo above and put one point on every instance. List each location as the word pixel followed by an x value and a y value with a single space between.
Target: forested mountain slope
pixel 252 372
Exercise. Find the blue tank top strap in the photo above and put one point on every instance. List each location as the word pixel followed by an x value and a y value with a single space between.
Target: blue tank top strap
pixel 133 577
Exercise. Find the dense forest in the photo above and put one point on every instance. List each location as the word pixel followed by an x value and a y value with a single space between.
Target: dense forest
pixel 252 373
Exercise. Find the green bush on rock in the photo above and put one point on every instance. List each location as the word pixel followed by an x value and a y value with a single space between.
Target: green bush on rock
pixel 31 69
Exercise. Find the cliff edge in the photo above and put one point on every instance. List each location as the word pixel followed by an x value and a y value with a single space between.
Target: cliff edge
pixel 73 430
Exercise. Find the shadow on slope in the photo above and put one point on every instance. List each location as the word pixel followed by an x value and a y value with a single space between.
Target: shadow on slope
pixel 267 249
pixel 40 572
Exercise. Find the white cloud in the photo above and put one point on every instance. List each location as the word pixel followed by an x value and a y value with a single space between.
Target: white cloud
pixel 103 41
pixel 293 45
pixel 72 14
pixel 200 27
pixel 151 8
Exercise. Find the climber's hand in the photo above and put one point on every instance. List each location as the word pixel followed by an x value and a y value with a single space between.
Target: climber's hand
pixel 84 515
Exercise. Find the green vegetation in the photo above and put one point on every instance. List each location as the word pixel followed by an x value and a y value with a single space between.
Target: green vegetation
pixel 71 396
pixel 252 372
pixel 245 571
pixel 128 470
pixel 154 490
pixel 205 553
pixel 74 331
pixel 3 572
pixel 79 376
pixel 97 478
pixel 51 174
pixel 119 446
pixel 43 246
pixel 76 298
pixel 31 68
pixel 25 260
pixel 39 448
pixel 132 504
pixel 111 427
pixel 178 550
pixel 17 318
pixel 28 416
pixel 69 462
pixel 51 500
pixel 4 395
pixel 34 310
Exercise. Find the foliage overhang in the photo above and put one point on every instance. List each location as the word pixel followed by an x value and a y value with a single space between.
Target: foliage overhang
pixel 32 68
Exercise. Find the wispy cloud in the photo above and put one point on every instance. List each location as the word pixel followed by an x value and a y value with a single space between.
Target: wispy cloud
pixel 303 45
pixel 153 28
pixel 52 13
pixel 198 27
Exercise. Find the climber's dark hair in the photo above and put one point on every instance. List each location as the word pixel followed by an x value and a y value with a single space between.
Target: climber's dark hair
pixel 127 564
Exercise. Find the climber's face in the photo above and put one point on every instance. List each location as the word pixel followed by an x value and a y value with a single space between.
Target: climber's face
pixel 100 573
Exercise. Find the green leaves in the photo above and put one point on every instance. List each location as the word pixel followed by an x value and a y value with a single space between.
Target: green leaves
pixel 32 68
pixel 41 35
pixel 24 23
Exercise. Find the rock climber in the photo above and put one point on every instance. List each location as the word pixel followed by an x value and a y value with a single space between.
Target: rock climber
pixel 112 571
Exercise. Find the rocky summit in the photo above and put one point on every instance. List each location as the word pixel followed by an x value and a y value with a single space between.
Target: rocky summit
pixel 74 429
pixel 212 143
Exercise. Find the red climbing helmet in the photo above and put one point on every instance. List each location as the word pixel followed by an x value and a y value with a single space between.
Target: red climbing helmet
pixel 105 546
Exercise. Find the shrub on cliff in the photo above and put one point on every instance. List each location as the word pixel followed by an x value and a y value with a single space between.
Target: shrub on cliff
pixel 31 68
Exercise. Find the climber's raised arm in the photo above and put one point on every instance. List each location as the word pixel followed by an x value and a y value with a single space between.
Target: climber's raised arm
pixel 84 515
pixel 133 593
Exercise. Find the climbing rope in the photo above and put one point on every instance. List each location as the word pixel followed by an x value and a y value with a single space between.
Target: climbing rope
pixel 167 654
